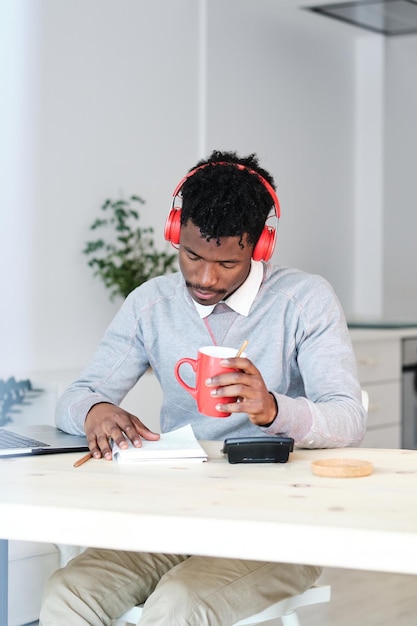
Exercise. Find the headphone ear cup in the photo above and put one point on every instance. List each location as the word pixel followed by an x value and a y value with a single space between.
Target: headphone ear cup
pixel 173 227
pixel 265 245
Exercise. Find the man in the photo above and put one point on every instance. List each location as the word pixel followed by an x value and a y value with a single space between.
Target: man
pixel 299 380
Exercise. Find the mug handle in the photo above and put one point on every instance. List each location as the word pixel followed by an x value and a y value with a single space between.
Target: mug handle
pixel 193 363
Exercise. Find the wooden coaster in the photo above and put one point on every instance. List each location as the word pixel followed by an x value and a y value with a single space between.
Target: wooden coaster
pixel 341 468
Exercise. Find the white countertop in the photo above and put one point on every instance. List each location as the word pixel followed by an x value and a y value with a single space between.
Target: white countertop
pixel 382 334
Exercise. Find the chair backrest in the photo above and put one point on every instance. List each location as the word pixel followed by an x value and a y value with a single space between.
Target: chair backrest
pixel 365 399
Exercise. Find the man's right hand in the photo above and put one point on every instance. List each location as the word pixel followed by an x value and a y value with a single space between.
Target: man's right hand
pixel 105 421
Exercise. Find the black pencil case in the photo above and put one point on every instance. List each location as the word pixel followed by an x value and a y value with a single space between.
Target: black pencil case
pixel 271 449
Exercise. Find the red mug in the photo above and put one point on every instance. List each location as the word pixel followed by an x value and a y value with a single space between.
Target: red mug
pixel 206 366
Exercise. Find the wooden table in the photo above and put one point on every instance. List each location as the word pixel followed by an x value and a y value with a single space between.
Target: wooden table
pixel 273 512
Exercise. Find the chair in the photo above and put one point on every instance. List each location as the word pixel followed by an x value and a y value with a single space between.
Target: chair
pixel 285 609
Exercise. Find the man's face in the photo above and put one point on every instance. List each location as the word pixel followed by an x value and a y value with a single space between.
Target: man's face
pixel 211 271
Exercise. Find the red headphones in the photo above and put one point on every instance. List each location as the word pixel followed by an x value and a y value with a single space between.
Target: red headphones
pixel 266 243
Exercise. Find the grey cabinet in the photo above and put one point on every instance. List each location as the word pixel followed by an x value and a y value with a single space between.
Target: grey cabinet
pixel 379 369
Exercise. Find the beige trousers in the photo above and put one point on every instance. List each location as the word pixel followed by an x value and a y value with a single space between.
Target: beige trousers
pixel 99 585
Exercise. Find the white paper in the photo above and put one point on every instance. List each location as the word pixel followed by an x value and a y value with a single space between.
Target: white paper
pixel 177 444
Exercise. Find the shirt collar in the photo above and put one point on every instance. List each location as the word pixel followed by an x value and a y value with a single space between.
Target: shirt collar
pixel 242 299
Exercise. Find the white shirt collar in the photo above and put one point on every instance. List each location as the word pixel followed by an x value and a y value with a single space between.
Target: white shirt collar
pixel 242 299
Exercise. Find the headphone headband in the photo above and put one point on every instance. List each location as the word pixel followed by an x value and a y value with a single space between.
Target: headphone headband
pixel 238 166
pixel 266 243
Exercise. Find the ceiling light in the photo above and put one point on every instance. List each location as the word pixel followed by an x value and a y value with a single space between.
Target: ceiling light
pixel 388 17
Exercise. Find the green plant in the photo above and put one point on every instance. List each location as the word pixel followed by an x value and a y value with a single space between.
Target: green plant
pixel 127 257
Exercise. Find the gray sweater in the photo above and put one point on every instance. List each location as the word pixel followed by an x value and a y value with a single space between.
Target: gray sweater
pixel 298 339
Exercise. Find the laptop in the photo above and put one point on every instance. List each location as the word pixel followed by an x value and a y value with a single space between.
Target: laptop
pixel 19 440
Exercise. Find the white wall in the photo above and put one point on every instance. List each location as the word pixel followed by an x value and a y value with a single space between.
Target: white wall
pixel 18 88
pixel 400 219
pixel 104 102
pixel 368 206
pixel 101 97
pixel 282 83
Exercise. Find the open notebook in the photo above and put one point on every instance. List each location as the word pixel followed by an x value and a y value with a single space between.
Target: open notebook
pixel 180 444
pixel 19 440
